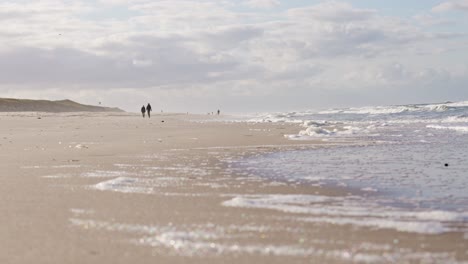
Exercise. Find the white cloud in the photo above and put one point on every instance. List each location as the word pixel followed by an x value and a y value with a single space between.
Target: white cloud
pixel 460 5
pixel 211 51
pixel 119 2
pixel 396 74
pixel 332 11
pixel 430 20
pixel 142 63
pixel 262 3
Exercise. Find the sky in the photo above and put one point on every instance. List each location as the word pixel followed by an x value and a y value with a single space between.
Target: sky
pixel 237 56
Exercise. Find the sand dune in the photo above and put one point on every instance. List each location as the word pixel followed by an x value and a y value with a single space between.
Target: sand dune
pixel 24 105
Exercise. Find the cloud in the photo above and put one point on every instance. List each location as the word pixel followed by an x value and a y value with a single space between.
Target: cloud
pixel 397 74
pixel 215 51
pixel 456 5
pixel 142 63
pixel 228 37
pixel 182 14
pixel 430 20
pixel 332 11
pixel 266 4
pixel 119 2
pixel 64 65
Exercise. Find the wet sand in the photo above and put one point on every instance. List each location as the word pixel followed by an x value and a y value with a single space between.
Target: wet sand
pixel 117 188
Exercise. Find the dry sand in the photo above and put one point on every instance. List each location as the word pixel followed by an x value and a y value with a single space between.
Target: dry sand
pixel 52 211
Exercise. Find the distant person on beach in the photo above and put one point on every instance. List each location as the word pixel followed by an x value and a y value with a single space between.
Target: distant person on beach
pixel 143 110
pixel 219 112
pixel 148 109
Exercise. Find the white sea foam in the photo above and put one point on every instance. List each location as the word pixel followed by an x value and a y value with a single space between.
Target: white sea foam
pixel 80 211
pixel 63 166
pixel 375 110
pixel 362 121
pixel 385 110
pixel 196 244
pixel 124 185
pixel 66 166
pixel 57 176
pixel 184 170
pixel 276 118
pixel 214 240
pixel 402 226
pixel 106 174
pixel 127 166
pixel 458 104
pixel 34 167
pixel 314 130
pixel 146 185
pixel 195 240
pixel 463 129
pixel 353 210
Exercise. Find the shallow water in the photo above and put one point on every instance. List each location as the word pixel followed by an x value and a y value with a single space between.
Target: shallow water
pixel 414 175
pixel 413 160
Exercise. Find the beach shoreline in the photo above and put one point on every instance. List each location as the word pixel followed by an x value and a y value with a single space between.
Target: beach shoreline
pixel 115 188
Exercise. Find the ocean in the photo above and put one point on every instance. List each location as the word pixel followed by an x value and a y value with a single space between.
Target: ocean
pixel 408 166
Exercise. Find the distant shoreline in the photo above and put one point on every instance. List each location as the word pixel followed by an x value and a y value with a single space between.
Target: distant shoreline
pixel 60 106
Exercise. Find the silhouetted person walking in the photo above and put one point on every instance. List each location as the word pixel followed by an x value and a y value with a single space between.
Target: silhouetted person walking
pixel 148 109
pixel 143 110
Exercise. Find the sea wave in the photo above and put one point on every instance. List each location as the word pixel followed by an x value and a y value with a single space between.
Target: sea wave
pixel 463 129
pixel 396 109
pixel 408 121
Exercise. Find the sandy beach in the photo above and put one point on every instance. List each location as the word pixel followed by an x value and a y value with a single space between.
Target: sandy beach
pixel 117 188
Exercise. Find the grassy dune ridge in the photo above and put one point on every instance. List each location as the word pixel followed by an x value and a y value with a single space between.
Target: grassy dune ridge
pixel 26 105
